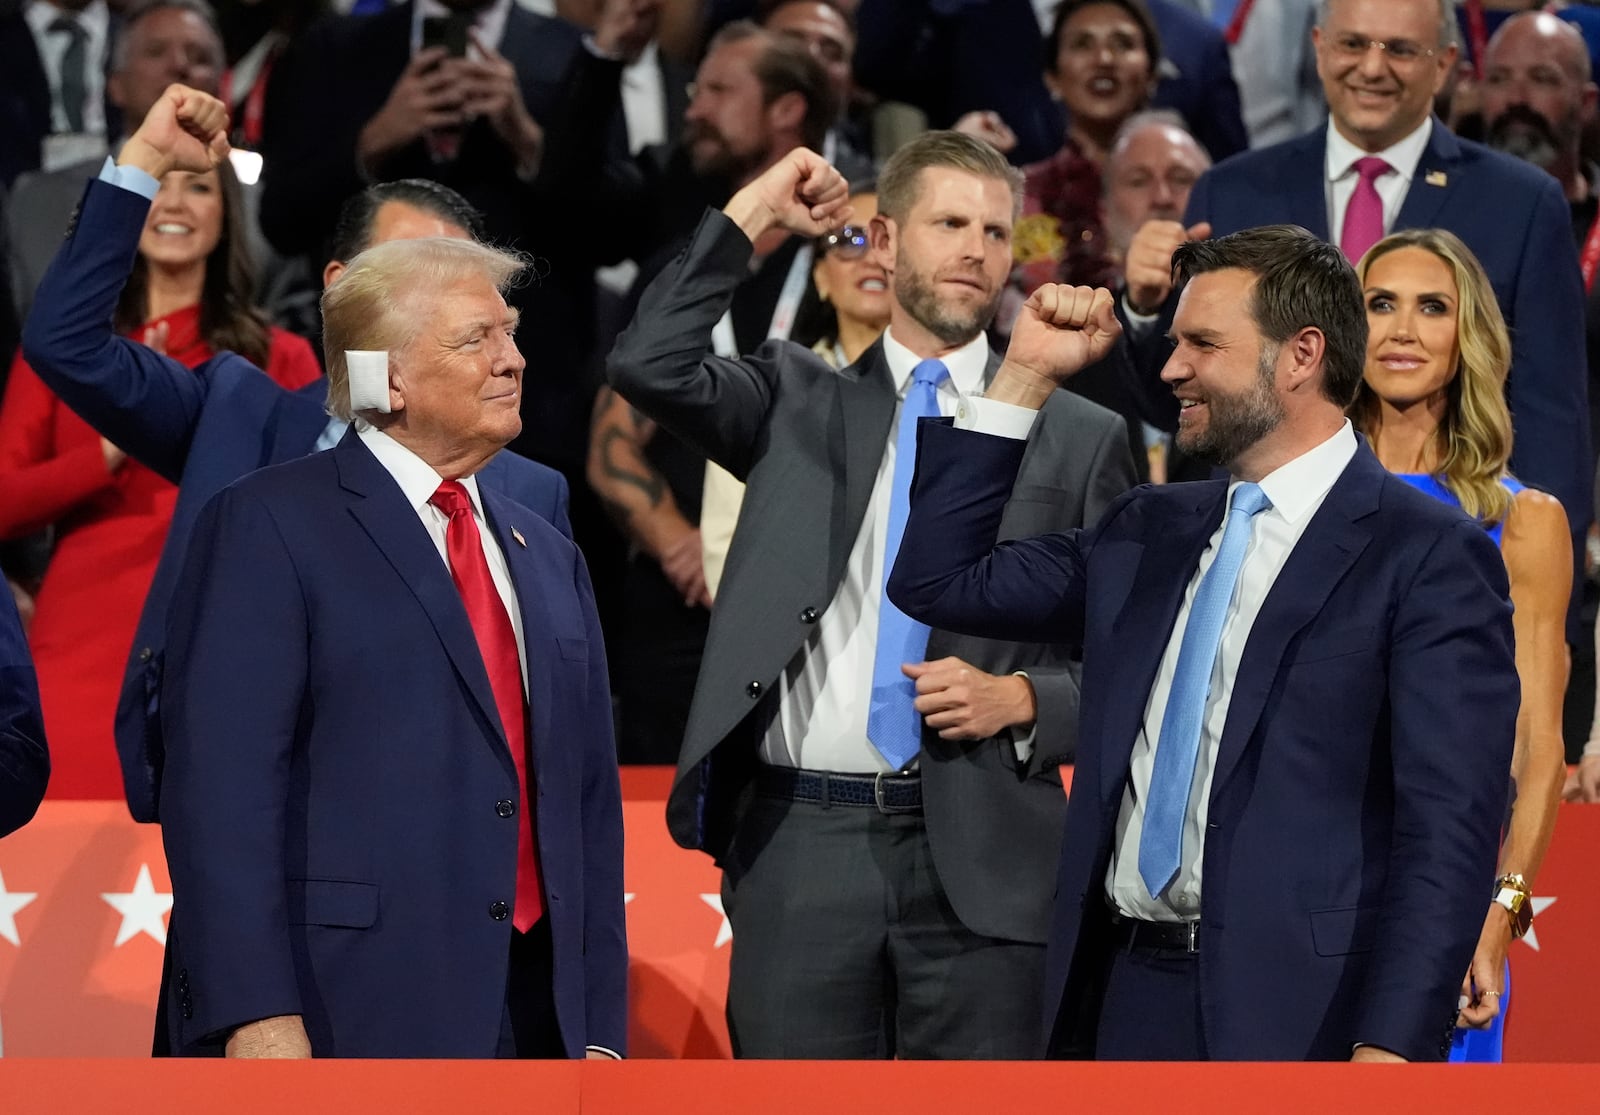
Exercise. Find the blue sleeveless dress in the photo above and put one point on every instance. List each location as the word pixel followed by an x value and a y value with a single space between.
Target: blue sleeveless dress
pixel 1474 1046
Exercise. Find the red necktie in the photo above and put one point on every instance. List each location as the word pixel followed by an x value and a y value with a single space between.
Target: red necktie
pixel 497 642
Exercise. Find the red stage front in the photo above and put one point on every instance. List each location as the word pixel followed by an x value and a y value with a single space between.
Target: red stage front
pixel 84 899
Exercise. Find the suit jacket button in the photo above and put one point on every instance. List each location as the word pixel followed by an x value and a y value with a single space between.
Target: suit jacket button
pixel 753 690
pixel 505 807
pixel 808 615
pixel 145 654
pixel 499 911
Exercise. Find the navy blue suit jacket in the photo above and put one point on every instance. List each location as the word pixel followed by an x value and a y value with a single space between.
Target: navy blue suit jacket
pixel 335 768
pixel 1516 221
pixel 202 430
pixel 24 759
pixel 1353 822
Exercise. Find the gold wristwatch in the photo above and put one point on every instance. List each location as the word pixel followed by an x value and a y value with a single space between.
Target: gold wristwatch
pixel 1514 894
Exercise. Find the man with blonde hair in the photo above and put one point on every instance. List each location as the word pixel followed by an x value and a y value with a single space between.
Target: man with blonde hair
pixel 377 668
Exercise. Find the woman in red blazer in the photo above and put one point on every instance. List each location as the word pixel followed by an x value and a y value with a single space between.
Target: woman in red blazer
pixel 190 294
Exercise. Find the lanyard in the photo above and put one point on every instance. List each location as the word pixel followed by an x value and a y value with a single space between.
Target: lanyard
pixel 1477 35
pixel 1235 26
pixel 1590 259
pixel 723 342
pixel 255 99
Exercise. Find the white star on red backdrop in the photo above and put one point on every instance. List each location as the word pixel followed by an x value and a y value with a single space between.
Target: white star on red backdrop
pixel 143 909
pixel 1531 937
pixel 725 930
pixel 10 903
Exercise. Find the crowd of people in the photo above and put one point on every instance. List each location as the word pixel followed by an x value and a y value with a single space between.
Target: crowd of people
pixel 640 310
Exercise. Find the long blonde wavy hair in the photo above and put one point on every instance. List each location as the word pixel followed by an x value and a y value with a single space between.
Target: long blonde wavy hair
pixel 1474 439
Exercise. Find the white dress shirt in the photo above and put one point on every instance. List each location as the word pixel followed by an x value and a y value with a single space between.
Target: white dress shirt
pixel 1341 176
pixel 418 482
pixel 488 22
pixel 826 689
pixel 1296 490
pixel 95 19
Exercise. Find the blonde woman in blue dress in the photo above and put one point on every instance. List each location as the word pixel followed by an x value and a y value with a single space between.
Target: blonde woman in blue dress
pixel 1433 406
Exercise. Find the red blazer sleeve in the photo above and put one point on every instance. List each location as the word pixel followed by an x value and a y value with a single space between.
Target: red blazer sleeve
pixel 291 361
pixel 43 477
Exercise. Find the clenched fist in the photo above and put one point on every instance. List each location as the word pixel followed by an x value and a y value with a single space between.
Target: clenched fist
pixel 1060 331
pixel 1148 267
pixel 184 130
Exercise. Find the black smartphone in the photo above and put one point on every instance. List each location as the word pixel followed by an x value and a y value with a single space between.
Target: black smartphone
pixel 449 32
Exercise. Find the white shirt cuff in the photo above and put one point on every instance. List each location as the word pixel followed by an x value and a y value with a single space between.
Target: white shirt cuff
pixel 1139 324
pixel 612 1053
pixel 987 416
pixel 1020 740
pixel 130 178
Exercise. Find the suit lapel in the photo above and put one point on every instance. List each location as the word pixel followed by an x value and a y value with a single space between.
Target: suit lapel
pixel 527 579
pixel 392 524
pixel 1306 182
pixel 300 423
pixel 866 401
pixel 1332 542
pixel 1433 181
pixel 1143 629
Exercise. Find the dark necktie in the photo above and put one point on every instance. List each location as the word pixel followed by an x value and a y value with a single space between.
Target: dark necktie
pixel 497 642
pixel 74 90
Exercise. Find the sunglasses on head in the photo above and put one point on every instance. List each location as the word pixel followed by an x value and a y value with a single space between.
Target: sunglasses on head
pixel 848 242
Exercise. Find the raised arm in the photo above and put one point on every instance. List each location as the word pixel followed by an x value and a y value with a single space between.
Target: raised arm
pixel 145 403
pixel 662 363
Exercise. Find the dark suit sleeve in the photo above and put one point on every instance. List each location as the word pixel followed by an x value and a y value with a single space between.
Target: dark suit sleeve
pixel 605 955
pixel 145 403
pixel 1450 748
pixel 236 670
pixel 24 759
pixel 1055 689
pixel 662 362
pixel 950 574
pixel 1219 122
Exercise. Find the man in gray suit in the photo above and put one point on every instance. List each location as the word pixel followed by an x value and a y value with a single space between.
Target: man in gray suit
pixel 885 802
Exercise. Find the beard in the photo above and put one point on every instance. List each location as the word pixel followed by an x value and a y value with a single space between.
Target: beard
pixel 712 156
pixel 1236 421
pixel 951 323
pixel 1523 134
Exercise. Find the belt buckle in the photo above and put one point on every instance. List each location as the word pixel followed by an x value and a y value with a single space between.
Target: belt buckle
pixel 1193 945
pixel 878 794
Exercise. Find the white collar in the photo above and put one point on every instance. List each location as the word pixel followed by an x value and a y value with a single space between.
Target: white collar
pixel 966 364
pixel 416 477
pixel 488 22
pixel 95 18
pixel 1403 156
pixel 1299 486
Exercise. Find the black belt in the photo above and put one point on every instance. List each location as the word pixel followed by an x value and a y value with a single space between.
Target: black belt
pixel 887 793
pixel 1174 936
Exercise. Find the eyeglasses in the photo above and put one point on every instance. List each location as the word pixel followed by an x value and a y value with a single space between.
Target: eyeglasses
pixel 1401 51
pixel 849 242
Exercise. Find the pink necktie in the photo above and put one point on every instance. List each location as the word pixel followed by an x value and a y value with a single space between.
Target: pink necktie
pixel 1363 218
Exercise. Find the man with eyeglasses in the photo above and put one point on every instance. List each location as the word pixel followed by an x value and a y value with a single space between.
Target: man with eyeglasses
pixel 1383 163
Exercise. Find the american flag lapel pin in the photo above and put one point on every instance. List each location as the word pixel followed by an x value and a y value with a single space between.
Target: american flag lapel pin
pixel 521 541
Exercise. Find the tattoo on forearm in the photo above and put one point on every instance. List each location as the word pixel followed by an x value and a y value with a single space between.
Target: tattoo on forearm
pixel 615 447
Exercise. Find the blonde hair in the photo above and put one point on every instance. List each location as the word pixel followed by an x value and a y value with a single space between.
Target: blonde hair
pixel 1474 439
pixel 379 302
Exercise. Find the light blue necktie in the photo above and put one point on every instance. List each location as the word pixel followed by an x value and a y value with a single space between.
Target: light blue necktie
pixel 1222 12
pixel 893 725
pixel 1167 804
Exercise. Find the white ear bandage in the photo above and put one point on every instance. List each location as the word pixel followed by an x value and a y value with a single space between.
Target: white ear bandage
pixel 368 373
